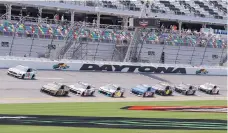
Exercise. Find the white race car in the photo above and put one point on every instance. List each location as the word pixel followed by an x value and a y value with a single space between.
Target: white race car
pixel 112 90
pixel 163 88
pixel 83 89
pixel 185 89
pixel 55 89
pixel 209 88
pixel 22 72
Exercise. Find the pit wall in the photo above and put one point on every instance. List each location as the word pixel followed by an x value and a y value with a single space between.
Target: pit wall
pixel 70 65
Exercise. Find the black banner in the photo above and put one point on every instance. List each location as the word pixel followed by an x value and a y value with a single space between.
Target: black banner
pixel 146 22
pixel 129 68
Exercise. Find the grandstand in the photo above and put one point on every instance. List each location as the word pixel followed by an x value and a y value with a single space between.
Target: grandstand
pixel 190 32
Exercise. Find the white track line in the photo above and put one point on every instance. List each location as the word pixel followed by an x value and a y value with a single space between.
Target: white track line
pixel 47 78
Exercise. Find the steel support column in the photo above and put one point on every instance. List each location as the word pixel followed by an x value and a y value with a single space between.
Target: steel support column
pixel 39 15
pixel 72 18
pixel 8 11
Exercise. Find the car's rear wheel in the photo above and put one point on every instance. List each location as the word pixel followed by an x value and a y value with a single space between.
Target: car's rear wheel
pixel 33 76
pixel 185 92
pixel 83 93
pixel 66 93
pixel 113 95
pixel 92 93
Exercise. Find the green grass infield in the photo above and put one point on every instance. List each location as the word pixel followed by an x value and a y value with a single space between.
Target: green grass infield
pixel 106 109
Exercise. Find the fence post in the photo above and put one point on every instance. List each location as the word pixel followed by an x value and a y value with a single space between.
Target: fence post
pixel 203 55
pixel 177 54
pixel 221 59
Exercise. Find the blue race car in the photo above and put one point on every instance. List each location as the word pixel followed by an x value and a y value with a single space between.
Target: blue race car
pixel 143 90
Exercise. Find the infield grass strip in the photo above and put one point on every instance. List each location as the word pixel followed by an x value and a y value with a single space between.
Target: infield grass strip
pixel 110 109
pixel 50 129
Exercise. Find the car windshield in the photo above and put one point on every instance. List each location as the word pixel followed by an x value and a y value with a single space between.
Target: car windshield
pixel 112 87
pixel 146 86
pixel 81 85
pixel 55 85
pixel 184 85
pixel 21 68
pixel 210 86
pixel 161 86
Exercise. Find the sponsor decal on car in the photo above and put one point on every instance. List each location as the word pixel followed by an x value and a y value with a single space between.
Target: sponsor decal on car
pixel 218 109
pixel 118 94
pixel 60 66
pixel 129 68
pixel 201 71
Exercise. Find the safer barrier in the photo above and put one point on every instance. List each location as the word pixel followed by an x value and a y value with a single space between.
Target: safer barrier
pixel 76 65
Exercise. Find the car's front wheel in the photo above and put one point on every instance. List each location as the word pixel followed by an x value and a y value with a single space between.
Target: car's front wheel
pixel 92 93
pixel 33 76
pixel 217 92
pixel 23 76
pixel 122 94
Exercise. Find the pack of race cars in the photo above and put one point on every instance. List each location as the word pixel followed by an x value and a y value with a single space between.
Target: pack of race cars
pixel 112 90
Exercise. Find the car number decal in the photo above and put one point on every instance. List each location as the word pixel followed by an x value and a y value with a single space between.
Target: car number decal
pixel 118 93
pixel 148 93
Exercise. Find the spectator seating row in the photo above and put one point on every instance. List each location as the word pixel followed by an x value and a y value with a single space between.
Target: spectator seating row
pixel 206 8
pixel 169 38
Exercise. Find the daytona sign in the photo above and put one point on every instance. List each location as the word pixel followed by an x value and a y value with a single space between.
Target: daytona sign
pixel 129 68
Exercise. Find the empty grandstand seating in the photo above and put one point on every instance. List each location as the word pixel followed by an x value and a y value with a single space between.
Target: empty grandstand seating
pixel 212 8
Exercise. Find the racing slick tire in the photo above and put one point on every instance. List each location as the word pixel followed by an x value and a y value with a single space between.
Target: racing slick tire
pixel 83 94
pixel 66 93
pixel 122 94
pixel 144 94
pixel 217 93
pixel 113 95
pixel 194 93
pixel 92 93
pixel 184 92
pixel 23 76
pixel 33 76
pixel 210 92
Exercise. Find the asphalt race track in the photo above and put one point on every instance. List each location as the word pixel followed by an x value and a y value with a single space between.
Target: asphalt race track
pixel 114 122
pixel 13 90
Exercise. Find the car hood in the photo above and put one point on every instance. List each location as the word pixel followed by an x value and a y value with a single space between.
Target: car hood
pixel 140 89
pixel 108 90
pixel 17 70
pixel 51 86
pixel 77 88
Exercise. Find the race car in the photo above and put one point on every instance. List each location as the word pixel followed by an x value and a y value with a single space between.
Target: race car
pixel 209 88
pixel 60 66
pixel 163 88
pixel 143 90
pixel 202 71
pixel 112 90
pixel 185 89
pixel 83 89
pixel 23 72
pixel 55 89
